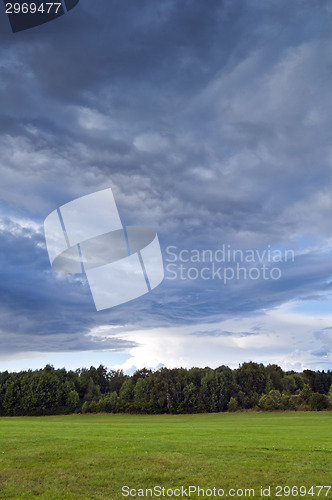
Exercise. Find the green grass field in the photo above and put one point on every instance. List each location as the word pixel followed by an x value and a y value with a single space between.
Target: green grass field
pixel 93 456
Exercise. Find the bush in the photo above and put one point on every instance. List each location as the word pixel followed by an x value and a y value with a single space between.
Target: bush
pixel 86 407
pixel 318 402
pixel 108 403
pixel 93 407
pixel 330 395
pixel 73 400
pixel 288 403
pixel 305 394
pixel 232 405
pixel 271 401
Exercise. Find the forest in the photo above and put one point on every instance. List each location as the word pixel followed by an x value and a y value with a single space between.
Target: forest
pixel 51 391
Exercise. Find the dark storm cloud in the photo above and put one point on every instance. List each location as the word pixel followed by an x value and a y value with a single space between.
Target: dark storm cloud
pixel 210 123
pixel 39 309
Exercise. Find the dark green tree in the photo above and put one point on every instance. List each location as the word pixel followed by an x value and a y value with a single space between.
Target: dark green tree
pixel 318 402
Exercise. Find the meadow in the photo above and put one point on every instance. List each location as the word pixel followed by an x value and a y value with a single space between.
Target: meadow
pixel 94 456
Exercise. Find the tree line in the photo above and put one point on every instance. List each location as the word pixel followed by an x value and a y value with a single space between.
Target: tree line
pixel 51 391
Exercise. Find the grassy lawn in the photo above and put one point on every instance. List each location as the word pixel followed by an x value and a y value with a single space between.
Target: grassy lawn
pixel 93 456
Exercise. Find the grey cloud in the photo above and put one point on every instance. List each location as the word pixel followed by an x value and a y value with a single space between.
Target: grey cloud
pixel 211 125
pixel 28 342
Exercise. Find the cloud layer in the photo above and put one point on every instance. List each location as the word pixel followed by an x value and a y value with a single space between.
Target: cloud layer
pixel 211 125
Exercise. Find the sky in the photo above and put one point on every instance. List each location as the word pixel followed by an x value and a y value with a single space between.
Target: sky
pixel 211 123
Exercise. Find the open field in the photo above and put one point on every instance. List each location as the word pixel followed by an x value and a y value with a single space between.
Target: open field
pixel 93 456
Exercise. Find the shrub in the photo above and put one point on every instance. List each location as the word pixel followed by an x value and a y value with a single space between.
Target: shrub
pixel 288 403
pixel 232 405
pixel 271 401
pixel 330 395
pixel 318 401
pixel 73 400
pixel 305 394
pixel 93 407
pixel 86 407
pixel 108 403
